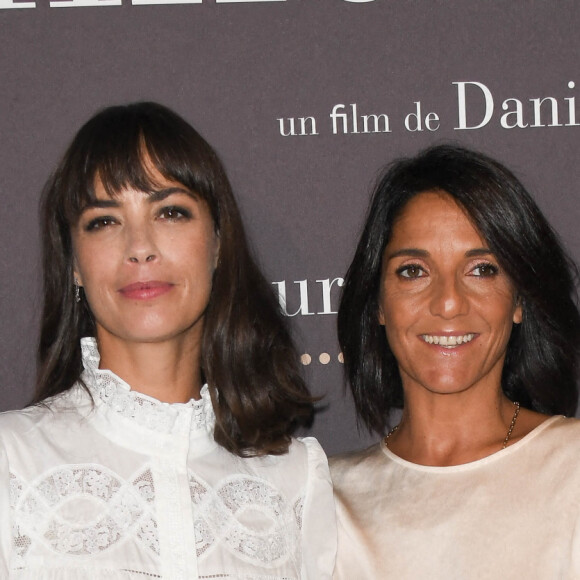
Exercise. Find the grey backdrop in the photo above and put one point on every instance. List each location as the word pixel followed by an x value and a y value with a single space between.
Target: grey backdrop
pixel 234 69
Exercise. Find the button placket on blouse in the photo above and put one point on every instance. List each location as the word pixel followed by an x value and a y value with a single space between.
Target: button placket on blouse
pixel 174 511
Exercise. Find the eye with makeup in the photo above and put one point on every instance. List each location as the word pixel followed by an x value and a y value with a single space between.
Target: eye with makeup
pixel 174 213
pixel 99 223
pixel 411 271
pixel 484 270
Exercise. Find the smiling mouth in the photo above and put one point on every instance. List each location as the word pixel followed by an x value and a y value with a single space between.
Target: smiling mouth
pixel 447 341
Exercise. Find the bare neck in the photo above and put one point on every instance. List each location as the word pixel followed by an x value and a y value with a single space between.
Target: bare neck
pixel 451 429
pixel 168 371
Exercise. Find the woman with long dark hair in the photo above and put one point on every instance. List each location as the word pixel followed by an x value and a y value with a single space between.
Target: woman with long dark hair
pixel 159 444
pixel 460 308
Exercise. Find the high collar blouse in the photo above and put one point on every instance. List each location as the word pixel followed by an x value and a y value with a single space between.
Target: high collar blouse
pixel 105 482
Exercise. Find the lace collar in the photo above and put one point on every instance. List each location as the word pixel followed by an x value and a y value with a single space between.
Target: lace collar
pixel 110 390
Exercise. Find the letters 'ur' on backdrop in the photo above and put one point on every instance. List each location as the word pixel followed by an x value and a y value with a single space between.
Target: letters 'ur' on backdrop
pixel 305 101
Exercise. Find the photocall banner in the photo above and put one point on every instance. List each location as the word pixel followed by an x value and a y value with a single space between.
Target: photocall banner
pixel 306 101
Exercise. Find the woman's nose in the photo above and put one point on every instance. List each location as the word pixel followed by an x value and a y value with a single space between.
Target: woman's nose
pixel 141 246
pixel 136 259
pixel 449 297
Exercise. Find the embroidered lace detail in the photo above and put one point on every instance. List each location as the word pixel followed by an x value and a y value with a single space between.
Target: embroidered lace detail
pixel 249 515
pixel 298 509
pixel 80 510
pixel 148 532
pixel 149 413
pixel 20 540
pixel 15 490
pixel 145 485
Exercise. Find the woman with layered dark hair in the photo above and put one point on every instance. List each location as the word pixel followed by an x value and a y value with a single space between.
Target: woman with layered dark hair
pixel 460 308
pixel 160 441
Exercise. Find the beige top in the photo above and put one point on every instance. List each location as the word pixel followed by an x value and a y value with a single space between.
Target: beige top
pixel 512 515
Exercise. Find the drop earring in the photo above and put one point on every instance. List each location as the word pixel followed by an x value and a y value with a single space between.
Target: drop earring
pixel 77 291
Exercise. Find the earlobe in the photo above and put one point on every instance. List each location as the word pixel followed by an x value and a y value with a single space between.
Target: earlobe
pixel 381 317
pixel 77 279
pixel 216 258
pixel 519 311
pixel 78 286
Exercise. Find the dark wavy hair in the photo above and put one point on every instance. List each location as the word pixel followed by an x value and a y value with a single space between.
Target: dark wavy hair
pixel 541 365
pixel 248 358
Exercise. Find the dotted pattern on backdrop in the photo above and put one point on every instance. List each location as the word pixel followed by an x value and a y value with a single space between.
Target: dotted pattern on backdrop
pixel 323 358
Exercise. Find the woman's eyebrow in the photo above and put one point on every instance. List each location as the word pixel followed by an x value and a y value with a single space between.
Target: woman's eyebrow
pixel 161 194
pixel 100 203
pixel 478 252
pixel 417 253
pixel 155 196
pixel 413 252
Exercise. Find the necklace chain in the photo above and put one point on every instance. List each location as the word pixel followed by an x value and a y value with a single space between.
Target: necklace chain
pixel 505 441
pixel 512 424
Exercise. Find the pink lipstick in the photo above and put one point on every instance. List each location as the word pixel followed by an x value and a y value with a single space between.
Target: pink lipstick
pixel 145 290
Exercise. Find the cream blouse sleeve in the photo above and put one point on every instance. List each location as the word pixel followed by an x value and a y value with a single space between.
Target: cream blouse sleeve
pixel 319 534
pixel 574 566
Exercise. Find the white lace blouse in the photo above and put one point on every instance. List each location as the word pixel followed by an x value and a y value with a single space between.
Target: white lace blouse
pixel 133 488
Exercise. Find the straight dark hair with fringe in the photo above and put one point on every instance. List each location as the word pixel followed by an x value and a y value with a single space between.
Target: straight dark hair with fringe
pixel 248 358
pixel 541 365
